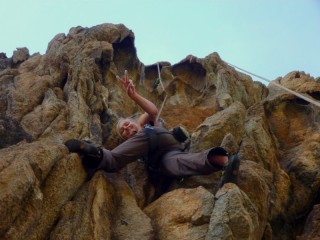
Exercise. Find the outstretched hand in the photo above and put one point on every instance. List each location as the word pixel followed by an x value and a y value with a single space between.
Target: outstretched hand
pixel 127 84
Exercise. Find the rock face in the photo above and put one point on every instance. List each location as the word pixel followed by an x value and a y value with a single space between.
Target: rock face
pixel 72 92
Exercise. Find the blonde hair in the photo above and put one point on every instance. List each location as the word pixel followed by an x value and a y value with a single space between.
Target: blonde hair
pixel 118 125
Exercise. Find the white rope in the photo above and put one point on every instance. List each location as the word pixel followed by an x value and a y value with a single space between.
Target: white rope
pixel 165 98
pixel 310 100
pixel 159 76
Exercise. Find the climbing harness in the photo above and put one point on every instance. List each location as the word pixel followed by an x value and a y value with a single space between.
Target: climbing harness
pixel 310 100
pixel 152 160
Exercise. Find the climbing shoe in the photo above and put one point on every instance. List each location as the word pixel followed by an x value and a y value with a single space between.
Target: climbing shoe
pixel 231 171
pixel 91 155
pixel 83 148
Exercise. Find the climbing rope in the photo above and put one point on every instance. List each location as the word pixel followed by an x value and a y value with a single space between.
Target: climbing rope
pixel 165 98
pixel 310 100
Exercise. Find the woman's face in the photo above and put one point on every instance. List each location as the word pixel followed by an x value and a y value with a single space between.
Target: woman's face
pixel 127 128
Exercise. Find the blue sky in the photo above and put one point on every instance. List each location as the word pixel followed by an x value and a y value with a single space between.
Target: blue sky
pixel 267 37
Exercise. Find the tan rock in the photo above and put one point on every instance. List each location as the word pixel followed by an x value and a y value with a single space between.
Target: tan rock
pixel 311 230
pixel 181 214
pixel 72 92
pixel 234 216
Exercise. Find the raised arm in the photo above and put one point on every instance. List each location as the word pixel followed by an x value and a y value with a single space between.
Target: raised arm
pixel 151 111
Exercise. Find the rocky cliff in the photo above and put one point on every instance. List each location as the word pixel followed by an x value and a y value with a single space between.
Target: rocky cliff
pixel 72 92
